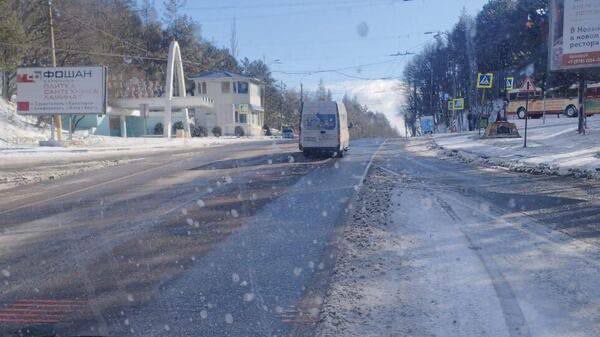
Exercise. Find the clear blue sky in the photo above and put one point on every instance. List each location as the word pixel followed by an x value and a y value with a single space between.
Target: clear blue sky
pixel 324 34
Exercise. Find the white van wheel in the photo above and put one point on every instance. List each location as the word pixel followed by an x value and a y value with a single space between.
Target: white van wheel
pixel 571 111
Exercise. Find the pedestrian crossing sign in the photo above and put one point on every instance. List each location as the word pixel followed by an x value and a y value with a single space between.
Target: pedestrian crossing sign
pixel 485 81
pixel 459 104
pixel 510 83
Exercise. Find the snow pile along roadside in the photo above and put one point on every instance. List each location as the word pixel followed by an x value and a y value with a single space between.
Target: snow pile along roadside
pixel 554 148
pixel 18 130
pixel 353 306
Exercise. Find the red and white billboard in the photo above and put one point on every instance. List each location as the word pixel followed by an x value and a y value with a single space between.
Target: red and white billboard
pixel 574 34
pixel 62 90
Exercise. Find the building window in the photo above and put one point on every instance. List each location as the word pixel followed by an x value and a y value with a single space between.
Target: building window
pixel 242 87
pixel 243 119
pixel 203 88
pixel 237 117
pixel 225 87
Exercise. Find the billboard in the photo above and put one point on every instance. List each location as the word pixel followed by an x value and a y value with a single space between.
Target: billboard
pixel 574 34
pixel 61 90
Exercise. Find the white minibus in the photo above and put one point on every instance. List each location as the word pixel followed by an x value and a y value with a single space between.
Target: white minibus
pixel 324 128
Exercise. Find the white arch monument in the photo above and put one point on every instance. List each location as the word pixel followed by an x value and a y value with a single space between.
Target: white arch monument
pixel 168 102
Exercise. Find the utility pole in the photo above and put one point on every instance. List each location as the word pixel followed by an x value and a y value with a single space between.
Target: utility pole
pixel 282 88
pixel 57 122
pixel 526 114
pixel 431 97
pixel 301 108
pixel 581 94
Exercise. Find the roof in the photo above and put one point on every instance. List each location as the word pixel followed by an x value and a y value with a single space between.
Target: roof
pixel 221 75
pixel 321 107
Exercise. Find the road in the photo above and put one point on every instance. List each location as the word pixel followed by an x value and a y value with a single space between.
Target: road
pixel 468 251
pixel 241 240
pixel 221 241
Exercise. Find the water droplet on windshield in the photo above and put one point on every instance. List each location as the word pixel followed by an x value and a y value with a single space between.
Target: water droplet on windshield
pixel 228 319
pixel 248 297
pixel 200 203
pixel 203 314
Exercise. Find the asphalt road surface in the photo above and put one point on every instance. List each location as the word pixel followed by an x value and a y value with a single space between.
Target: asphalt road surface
pixel 513 254
pixel 236 241
pixel 221 241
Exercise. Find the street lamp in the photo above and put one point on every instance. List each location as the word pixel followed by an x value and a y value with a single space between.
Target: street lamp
pixel 437 34
pixel 275 61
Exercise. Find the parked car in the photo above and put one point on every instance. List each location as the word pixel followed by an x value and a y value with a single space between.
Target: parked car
pixel 287 133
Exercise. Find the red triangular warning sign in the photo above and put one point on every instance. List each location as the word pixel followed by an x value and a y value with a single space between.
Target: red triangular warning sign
pixel 528 85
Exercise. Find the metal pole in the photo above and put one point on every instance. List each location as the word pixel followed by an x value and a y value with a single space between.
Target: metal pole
pixel 431 98
pixel 526 114
pixel 581 94
pixel 480 111
pixel 544 113
pixel 57 120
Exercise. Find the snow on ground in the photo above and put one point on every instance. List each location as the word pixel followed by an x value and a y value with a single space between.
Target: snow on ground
pixel 391 279
pixel 23 161
pixel 355 302
pixel 16 130
pixel 417 258
pixel 552 148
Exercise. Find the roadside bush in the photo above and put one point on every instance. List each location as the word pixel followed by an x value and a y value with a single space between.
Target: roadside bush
pixel 239 131
pixel 217 131
pixel 158 129
pixel 177 126
pixel 199 131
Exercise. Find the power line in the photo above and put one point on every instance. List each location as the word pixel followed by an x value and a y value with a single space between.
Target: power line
pixel 295 4
pixel 85 52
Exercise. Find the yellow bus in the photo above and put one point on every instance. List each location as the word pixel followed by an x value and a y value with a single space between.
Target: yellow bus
pixel 557 102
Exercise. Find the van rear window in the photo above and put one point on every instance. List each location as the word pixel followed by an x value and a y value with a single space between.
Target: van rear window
pixel 320 122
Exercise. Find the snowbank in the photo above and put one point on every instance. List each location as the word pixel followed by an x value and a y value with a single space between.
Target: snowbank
pixel 19 134
pixel 552 148
pixel 17 130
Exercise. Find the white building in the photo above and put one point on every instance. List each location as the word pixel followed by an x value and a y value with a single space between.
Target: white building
pixel 238 102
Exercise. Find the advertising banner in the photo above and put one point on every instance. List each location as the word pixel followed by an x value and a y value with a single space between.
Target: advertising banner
pixel 574 34
pixel 61 90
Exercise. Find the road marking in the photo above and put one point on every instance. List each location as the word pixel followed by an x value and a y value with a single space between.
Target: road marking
pixel 390 171
pixel 40 311
pixel 364 175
